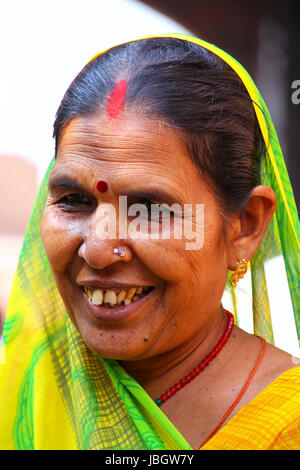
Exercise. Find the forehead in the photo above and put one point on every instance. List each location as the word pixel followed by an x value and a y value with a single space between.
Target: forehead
pixel 128 139
pixel 129 151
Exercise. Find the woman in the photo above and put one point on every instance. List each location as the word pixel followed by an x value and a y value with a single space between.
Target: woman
pixel 136 350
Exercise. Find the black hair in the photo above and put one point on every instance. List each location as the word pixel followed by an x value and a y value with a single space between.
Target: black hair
pixel 196 92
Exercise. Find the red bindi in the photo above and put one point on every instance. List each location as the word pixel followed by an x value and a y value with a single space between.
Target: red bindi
pixel 115 103
pixel 102 186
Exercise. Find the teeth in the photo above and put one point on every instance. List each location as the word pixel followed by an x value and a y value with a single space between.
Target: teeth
pixel 110 297
pixel 121 296
pixel 131 293
pixel 97 296
pixel 86 290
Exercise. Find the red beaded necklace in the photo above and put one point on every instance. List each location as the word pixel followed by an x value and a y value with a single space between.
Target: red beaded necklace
pixel 200 367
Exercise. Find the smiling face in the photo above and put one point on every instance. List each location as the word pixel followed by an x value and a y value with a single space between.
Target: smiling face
pixel 135 157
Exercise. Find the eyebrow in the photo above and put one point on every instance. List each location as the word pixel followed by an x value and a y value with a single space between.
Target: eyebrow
pixel 154 194
pixel 64 182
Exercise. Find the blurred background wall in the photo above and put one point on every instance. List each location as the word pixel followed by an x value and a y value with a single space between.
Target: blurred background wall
pixel 44 44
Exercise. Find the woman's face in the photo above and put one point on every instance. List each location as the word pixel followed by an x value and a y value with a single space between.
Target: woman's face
pixel 138 158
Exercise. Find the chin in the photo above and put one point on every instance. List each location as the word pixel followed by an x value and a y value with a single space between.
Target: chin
pixel 125 333
pixel 121 345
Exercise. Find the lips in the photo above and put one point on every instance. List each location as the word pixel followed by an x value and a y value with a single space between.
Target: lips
pixel 114 303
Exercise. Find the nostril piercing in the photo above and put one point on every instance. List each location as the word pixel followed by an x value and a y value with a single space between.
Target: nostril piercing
pixel 119 252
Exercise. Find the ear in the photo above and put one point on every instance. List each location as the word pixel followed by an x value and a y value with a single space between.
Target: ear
pixel 248 229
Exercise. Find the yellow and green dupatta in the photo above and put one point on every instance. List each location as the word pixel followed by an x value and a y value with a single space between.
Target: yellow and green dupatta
pixel 56 394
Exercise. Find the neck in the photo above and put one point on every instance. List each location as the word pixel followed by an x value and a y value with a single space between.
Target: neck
pixel 160 372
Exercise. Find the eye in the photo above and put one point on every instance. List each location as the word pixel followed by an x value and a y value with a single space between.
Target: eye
pixel 75 201
pixel 147 204
pixel 154 205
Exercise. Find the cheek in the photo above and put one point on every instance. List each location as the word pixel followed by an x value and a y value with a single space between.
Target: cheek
pixel 211 263
pixel 165 259
pixel 173 261
pixel 61 239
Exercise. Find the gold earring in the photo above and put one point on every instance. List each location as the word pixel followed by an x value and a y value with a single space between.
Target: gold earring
pixel 239 273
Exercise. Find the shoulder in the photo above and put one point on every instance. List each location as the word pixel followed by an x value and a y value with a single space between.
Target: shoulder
pixel 276 390
pixel 270 421
pixel 268 415
pixel 278 369
pixel 288 384
pixel 273 364
pixel 277 408
pixel 286 389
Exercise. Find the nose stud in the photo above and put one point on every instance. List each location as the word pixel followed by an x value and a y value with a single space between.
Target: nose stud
pixel 119 252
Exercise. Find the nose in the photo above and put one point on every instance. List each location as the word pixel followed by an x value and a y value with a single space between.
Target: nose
pixel 100 246
pixel 100 254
